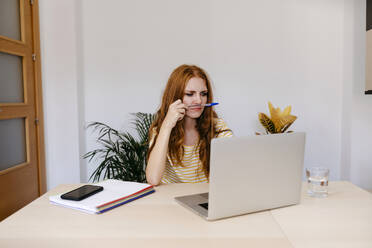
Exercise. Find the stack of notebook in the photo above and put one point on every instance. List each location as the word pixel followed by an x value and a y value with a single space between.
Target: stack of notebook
pixel 114 194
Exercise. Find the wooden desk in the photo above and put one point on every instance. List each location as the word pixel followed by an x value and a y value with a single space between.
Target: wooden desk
pixel 344 219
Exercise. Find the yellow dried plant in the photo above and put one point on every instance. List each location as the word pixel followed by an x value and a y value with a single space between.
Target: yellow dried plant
pixel 279 121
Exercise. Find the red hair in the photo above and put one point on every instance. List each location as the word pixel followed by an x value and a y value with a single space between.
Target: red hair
pixel 205 126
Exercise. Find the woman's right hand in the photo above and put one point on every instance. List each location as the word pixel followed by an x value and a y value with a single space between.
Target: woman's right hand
pixel 176 112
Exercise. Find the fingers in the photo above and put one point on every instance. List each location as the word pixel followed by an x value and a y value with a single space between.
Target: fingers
pixel 180 116
pixel 178 104
pixel 176 112
pixel 181 106
pixel 181 110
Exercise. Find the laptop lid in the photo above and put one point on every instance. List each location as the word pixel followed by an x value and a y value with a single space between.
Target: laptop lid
pixel 250 174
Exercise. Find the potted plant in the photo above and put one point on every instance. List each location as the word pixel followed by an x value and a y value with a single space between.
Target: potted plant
pixel 122 155
pixel 279 121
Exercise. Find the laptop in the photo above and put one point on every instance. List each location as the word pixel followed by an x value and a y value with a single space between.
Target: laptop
pixel 251 174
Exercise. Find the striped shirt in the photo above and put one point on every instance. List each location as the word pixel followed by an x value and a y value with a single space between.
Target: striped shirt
pixel 190 171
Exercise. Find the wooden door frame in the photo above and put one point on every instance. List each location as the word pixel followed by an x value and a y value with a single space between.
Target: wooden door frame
pixel 38 97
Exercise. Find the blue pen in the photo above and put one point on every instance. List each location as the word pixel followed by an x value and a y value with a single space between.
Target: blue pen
pixel 205 105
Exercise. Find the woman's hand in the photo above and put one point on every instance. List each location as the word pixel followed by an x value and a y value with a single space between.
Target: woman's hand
pixel 176 112
pixel 158 156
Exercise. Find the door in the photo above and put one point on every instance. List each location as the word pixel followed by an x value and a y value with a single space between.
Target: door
pixel 22 174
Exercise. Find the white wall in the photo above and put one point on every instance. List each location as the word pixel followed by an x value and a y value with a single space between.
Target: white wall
pixel 118 55
pixel 60 98
pixel 361 108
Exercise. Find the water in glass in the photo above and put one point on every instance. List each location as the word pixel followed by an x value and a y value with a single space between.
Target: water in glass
pixel 317 181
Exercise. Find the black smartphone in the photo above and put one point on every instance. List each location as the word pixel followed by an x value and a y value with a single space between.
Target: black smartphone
pixel 82 192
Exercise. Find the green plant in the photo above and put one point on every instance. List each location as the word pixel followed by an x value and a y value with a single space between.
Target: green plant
pixel 123 155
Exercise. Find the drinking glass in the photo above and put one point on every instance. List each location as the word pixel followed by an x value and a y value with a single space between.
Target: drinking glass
pixel 317 181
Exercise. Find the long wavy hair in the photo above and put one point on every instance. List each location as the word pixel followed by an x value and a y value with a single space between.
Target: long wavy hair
pixel 205 126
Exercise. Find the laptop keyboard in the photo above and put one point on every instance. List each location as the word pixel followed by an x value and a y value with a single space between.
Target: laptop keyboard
pixel 204 205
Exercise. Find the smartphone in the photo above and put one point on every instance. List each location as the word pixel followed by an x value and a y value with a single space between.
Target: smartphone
pixel 82 192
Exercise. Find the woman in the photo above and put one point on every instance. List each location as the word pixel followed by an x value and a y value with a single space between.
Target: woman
pixel 180 136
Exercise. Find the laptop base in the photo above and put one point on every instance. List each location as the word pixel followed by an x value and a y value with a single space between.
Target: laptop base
pixel 195 203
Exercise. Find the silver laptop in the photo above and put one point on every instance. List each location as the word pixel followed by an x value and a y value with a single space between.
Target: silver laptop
pixel 250 174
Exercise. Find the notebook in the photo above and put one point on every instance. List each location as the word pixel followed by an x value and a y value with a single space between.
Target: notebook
pixel 115 193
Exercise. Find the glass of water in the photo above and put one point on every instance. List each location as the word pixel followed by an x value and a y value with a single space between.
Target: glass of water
pixel 317 181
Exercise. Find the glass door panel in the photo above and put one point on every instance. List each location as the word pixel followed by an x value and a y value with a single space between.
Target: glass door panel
pixel 9 19
pixel 11 80
pixel 12 143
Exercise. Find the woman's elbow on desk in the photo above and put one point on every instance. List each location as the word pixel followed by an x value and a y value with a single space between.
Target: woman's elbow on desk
pixel 152 179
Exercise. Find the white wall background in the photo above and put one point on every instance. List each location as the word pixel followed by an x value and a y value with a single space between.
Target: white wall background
pixel 60 95
pixel 104 60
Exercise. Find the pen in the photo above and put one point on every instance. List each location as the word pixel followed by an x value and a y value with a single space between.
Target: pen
pixel 205 105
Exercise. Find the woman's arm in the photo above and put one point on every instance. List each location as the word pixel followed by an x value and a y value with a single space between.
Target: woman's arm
pixel 157 158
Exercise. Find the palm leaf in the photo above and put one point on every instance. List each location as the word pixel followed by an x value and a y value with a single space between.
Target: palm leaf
pixel 122 155
pixel 142 123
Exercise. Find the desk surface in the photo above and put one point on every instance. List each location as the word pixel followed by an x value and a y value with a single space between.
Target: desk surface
pixel 344 219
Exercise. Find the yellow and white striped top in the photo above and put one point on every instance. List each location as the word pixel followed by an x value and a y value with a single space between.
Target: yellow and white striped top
pixel 190 171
